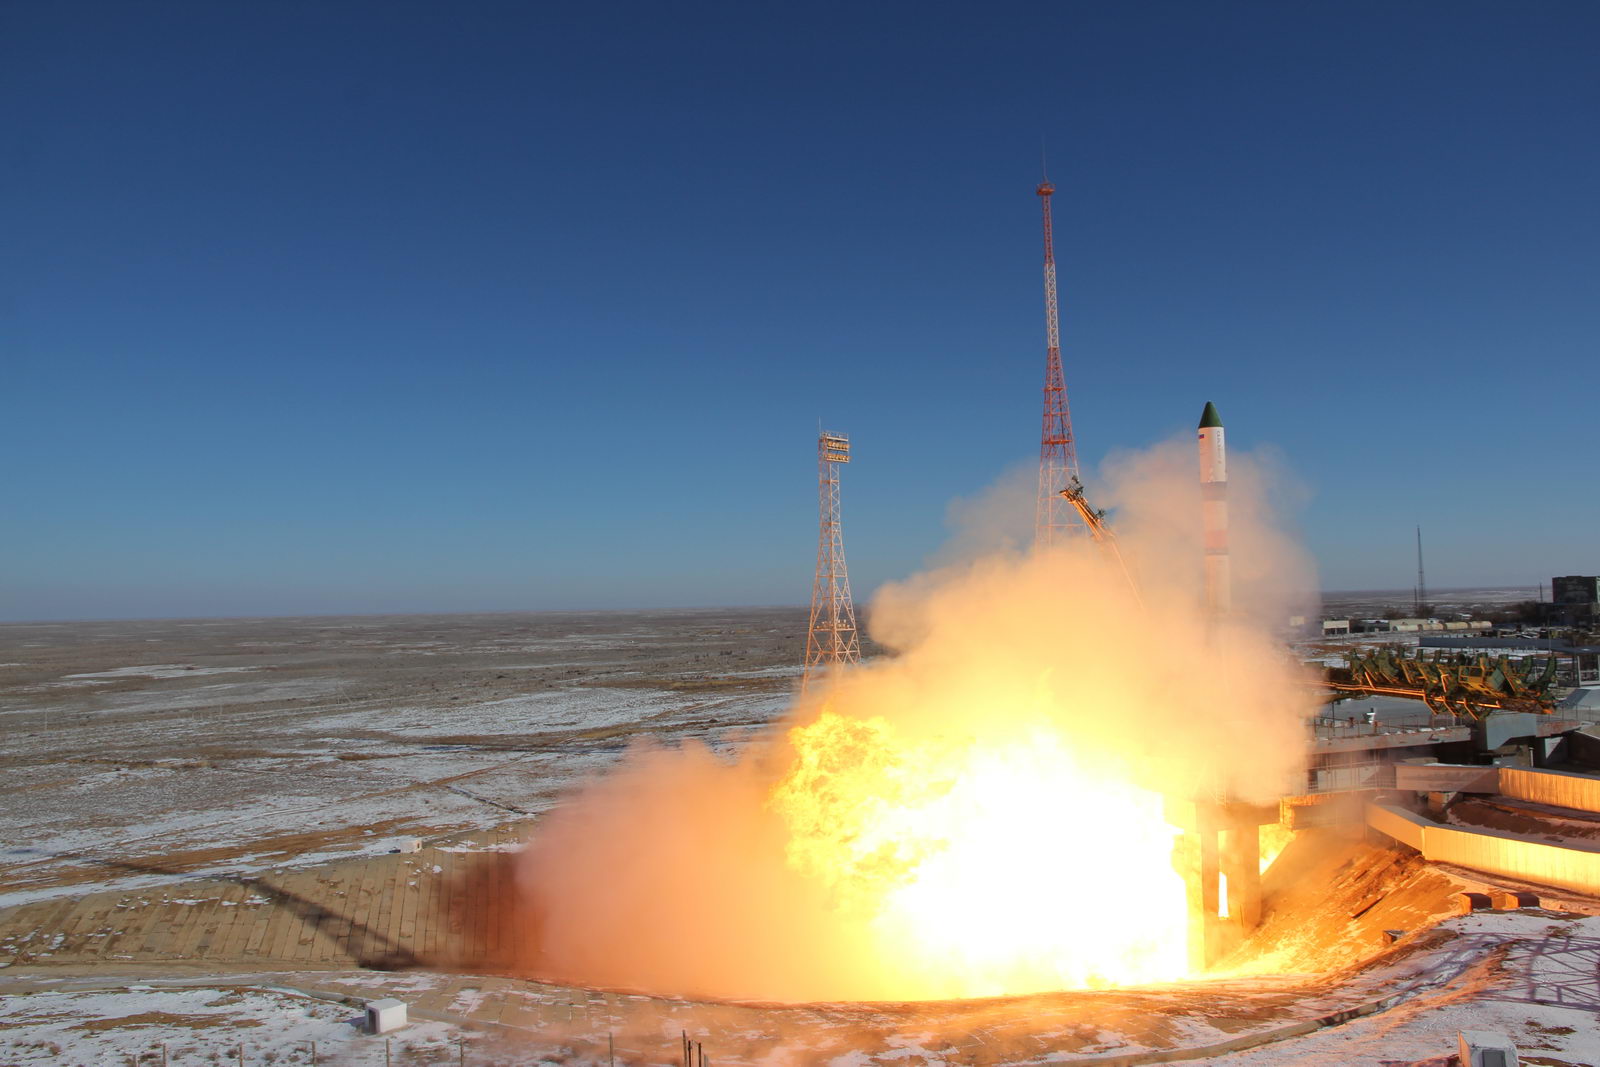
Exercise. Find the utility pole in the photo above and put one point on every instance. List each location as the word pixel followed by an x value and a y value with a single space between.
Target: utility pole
pixel 831 640
pixel 1054 518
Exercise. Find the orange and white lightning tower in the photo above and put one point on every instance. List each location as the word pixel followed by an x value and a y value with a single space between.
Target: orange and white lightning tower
pixel 1054 517
pixel 832 640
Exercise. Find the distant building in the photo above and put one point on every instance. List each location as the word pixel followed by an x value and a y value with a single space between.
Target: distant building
pixel 1331 627
pixel 1575 589
pixel 1575 599
pixel 1411 626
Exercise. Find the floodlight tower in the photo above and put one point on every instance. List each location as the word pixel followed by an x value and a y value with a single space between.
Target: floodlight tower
pixel 1054 517
pixel 832 640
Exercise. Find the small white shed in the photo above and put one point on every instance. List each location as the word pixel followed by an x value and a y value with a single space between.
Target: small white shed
pixel 385 1015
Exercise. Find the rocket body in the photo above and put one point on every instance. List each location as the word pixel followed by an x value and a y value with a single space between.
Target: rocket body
pixel 1214 512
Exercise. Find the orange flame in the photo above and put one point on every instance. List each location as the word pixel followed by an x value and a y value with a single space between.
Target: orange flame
pixel 1000 865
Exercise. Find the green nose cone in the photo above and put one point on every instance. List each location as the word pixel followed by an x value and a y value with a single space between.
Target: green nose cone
pixel 1209 417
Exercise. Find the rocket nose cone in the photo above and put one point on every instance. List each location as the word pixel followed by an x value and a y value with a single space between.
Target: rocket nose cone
pixel 1209 417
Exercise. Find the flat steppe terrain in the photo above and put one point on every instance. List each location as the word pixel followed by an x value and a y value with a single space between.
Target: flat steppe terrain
pixel 135 752
pixel 1475 601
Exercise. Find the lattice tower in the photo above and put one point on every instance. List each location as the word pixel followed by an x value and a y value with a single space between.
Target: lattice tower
pixel 1054 517
pixel 832 640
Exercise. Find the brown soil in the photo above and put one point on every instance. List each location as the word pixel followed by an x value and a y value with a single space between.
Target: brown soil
pixel 1521 817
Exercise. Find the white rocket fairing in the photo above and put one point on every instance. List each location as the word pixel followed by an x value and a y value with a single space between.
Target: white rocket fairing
pixel 1214 511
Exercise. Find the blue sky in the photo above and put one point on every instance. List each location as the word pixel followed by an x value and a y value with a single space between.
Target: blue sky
pixel 397 306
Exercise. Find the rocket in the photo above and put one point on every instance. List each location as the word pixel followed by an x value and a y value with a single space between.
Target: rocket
pixel 1214 512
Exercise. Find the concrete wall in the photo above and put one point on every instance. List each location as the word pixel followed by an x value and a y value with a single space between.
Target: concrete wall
pixel 1533 861
pixel 1557 788
pixel 1501 727
pixel 1348 776
pixel 1584 746
pixel 1446 778
pixel 1494 853
pixel 1404 826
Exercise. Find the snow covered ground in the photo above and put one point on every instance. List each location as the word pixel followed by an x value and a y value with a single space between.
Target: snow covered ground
pixel 1533 975
pixel 142 752
pixel 208 1025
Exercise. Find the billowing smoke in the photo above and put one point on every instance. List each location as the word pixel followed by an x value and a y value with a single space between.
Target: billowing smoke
pixel 980 812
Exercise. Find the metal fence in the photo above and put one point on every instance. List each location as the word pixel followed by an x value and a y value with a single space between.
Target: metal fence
pixel 399 1052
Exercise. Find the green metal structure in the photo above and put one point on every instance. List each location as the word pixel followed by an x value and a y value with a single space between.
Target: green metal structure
pixel 1451 683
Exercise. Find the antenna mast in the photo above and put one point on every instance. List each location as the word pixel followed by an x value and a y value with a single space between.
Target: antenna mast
pixel 831 641
pixel 1054 517
pixel 1421 604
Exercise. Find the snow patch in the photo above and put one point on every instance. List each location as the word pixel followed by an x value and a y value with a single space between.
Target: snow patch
pixel 161 670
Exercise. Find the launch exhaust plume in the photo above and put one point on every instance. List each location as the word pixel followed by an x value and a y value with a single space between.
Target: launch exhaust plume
pixel 980 812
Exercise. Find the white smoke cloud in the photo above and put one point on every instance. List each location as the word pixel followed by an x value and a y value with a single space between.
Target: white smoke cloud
pixel 921 827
